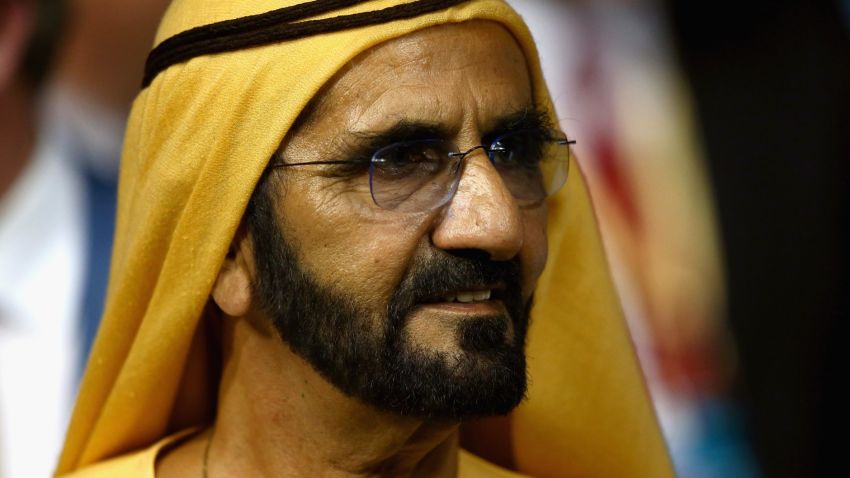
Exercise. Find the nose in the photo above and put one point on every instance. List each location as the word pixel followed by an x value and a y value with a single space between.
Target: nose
pixel 483 215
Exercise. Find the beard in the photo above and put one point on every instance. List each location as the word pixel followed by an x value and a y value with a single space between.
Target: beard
pixel 369 355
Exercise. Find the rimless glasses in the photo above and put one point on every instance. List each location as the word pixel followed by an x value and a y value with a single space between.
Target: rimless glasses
pixel 420 175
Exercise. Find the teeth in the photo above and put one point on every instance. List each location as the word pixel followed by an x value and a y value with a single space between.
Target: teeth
pixel 467 297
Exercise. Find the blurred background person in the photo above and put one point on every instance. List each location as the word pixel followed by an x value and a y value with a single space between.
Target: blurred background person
pixel 40 237
pixel 61 145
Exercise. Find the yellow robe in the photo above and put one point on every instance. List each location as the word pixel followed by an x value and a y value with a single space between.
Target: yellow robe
pixel 198 138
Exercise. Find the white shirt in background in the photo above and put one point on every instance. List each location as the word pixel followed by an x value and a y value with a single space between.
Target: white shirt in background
pixel 42 238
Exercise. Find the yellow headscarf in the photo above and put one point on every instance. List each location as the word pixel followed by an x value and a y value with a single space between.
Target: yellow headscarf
pixel 198 139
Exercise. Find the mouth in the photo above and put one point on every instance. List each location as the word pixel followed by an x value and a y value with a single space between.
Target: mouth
pixel 467 295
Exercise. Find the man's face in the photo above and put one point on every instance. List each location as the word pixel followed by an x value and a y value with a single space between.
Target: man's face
pixel 376 300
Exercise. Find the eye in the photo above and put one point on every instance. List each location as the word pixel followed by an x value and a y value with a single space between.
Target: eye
pixel 415 157
pixel 519 149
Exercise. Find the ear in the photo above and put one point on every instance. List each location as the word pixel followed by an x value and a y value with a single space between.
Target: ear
pixel 232 291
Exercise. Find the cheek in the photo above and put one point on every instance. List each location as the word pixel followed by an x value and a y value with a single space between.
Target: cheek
pixel 358 251
pixel 371 267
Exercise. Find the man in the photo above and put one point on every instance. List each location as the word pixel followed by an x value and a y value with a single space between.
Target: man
pixel 354 299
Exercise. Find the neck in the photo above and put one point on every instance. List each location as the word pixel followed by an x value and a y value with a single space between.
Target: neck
pixel 278 417
pixel 17 133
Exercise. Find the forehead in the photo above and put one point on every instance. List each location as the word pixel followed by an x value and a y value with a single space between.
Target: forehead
pixel 460 75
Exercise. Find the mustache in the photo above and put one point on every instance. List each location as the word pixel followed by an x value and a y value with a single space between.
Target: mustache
pixel 430 278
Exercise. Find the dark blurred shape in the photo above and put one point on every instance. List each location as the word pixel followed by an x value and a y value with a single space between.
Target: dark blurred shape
pixel 50 20
pixel 772 86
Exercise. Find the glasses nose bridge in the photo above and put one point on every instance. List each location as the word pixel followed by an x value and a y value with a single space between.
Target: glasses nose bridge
pixel 463 154
pixel 462 163
pixel 461 157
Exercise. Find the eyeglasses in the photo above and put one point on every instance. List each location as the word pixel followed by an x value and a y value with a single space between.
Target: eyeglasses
pixel 420 175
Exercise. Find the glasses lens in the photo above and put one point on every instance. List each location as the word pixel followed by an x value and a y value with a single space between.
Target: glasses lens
pixel 414 176
pixel 533 163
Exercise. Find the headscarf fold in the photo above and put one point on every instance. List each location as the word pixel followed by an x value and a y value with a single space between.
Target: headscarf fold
pixel 199 136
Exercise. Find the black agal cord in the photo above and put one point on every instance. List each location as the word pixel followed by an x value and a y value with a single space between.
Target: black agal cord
pixel 273 27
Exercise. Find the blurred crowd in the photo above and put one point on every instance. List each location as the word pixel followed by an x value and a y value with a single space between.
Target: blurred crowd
pixel 714 140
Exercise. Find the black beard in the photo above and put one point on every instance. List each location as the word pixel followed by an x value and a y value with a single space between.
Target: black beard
pixel 368 356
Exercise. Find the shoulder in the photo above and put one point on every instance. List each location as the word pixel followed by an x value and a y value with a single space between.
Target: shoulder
pixel 137 464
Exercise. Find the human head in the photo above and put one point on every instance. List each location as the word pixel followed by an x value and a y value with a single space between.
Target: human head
pixel 366 306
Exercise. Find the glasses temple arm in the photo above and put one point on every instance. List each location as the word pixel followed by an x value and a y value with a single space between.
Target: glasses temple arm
pixel 341 161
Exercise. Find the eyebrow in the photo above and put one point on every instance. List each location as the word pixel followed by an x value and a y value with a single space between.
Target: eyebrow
pixel 411 130
pixel 403 130
pixel 526 118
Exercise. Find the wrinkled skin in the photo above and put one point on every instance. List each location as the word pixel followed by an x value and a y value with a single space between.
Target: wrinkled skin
pixel 342 237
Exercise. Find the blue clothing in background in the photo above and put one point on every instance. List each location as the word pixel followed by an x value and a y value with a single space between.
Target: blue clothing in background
pixel 100 223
